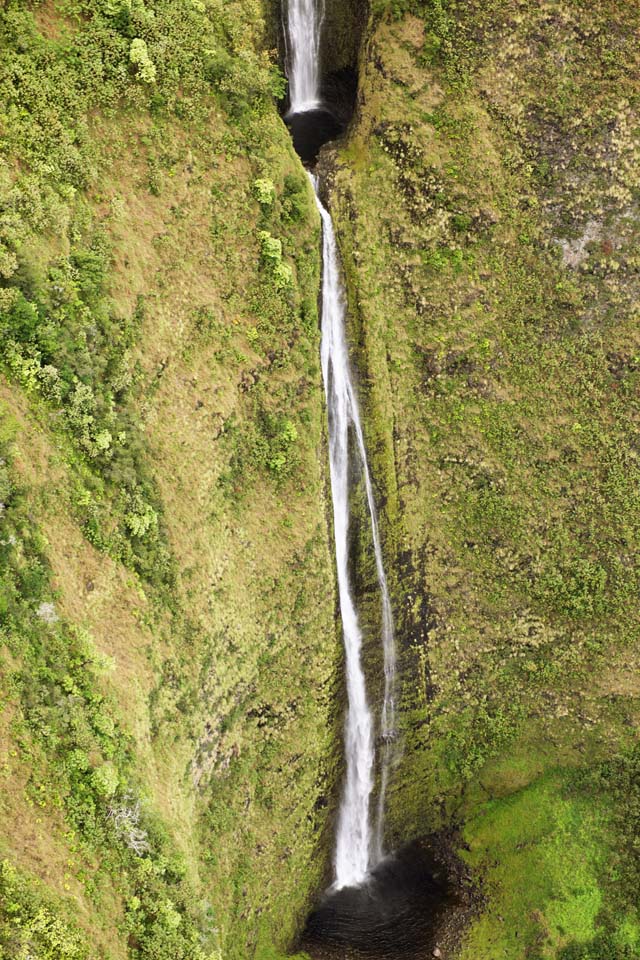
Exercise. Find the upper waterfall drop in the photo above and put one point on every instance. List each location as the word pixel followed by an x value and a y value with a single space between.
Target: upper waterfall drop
pixel 304 24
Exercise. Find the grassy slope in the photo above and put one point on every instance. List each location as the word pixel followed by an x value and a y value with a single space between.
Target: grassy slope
pixel 163 490
pixel 487 207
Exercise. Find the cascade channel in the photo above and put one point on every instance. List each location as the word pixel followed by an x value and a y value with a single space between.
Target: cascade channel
pixel 359 839
pixel 377 905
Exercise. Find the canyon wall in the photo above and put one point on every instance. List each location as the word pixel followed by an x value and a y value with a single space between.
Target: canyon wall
pixel 172 666
pixel 486 208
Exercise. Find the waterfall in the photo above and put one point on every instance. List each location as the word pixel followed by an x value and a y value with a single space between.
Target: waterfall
pixel 304 23
pixel 359 838
pixel 353 842
pixel 358 847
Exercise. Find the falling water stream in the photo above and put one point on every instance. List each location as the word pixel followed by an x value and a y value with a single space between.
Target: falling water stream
pixel 359 839
pixel 304 26
pixel 353 841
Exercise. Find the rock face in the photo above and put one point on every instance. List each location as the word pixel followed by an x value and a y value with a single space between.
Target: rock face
pixel 345 26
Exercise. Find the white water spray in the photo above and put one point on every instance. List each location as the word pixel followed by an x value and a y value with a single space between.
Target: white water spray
pixel 304 24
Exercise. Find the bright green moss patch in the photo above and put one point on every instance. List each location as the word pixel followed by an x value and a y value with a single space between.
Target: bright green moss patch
pixel 556 867
pixel 539 853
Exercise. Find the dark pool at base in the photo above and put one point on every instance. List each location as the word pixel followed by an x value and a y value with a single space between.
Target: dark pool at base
pixel 310 130
pixel 396 914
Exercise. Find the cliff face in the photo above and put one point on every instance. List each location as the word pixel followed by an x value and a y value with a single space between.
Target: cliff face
pixel 487 206
pixel 344 30
pixel 171 667
pixel 171 664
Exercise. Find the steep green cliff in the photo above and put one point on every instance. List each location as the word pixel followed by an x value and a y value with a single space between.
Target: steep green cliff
pixel 171 665
pixel 170 655
pixel 487 207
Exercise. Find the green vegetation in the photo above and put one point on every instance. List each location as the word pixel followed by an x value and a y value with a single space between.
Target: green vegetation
pixel 77 759
pixel 552 855
pixel 163 526
pixel 32 925
pixel 170 658
pixel 487 216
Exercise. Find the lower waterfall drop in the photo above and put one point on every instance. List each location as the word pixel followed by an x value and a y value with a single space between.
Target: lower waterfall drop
pixel 358 847
pixel 380 905
pixel 353 841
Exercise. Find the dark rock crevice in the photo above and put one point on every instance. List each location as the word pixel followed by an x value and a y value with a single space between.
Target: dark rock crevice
pixel 343 26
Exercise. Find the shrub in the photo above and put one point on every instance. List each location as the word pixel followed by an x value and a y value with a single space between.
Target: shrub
pixel 271 252
pixel 139 55
pixel 141 517
pixel 32 926
pixel 283 276
pixel 284 436
pixel 264 191
pixel 295 199
pixel 577 587
pixel 105 780
pixel 270 248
